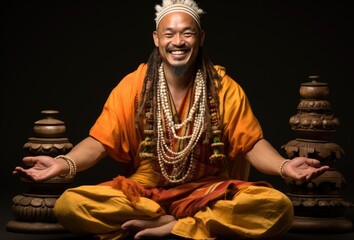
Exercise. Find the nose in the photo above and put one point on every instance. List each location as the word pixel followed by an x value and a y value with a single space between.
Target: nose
pixel 178 40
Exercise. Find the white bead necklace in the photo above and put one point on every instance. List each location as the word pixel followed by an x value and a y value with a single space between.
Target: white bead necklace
pixel 165 154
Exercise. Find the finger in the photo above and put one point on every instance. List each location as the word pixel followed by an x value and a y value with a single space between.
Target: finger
pixel 322 170
pixel 317 172
pixel 29 161
pixel 19 170
pixel 22 173
pixel 325 168
pixel 313 162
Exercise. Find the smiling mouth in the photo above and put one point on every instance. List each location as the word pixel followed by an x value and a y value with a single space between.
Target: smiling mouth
pixel 178 52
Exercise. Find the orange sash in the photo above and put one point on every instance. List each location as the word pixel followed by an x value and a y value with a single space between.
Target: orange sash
pixel 186 199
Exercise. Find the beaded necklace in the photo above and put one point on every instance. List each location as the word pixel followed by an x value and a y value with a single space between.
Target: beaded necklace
pixel 178 165
pixel 165 154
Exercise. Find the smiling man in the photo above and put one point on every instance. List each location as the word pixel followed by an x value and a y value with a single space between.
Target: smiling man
pixel 187 130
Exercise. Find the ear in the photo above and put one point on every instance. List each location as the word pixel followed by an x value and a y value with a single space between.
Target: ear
pixel 156 38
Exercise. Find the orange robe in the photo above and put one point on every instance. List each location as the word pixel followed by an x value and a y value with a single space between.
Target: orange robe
pixel 205 208
pixel 116 128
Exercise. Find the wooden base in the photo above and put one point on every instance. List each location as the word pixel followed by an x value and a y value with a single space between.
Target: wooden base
pixel 34 227
pixel 321 225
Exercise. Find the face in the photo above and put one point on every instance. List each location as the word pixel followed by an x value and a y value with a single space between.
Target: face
pixel 178 38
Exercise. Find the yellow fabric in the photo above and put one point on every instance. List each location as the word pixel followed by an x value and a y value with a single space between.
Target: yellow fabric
pixel 255 211
pixel 100 210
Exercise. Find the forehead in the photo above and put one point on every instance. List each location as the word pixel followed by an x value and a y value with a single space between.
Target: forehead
pixel 178 20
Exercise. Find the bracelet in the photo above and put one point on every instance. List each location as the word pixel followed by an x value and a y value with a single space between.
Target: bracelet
pixel 281 168
pixel 72 167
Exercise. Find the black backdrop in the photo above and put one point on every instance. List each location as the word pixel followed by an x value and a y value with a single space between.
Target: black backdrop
pixel 68 55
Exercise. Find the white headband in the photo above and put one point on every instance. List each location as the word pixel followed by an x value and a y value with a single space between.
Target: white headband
pixel 177 8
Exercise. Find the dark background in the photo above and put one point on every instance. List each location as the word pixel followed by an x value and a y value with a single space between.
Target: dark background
pixel 68 55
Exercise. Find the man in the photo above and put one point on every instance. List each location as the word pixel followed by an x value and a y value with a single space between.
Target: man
pixel 187 130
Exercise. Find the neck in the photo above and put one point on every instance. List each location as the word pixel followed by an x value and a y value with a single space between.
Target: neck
pixel 178 83
pixel 178 79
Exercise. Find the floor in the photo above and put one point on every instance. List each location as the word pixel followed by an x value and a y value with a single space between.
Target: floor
pixel 7 235
pixel 288 236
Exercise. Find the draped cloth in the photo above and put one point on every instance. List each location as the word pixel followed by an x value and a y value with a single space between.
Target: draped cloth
pixel 218 200
pixel 254 211
pixel 183 200
pixel 117 130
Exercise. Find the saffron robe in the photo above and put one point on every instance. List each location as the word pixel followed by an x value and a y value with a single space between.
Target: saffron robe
pixel 204 206
pixel 116 129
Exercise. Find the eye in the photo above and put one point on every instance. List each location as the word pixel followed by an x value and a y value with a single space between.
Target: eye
pixel 168 35
pixel 188 34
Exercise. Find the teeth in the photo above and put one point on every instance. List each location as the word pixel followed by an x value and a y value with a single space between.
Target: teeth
pixel 177 52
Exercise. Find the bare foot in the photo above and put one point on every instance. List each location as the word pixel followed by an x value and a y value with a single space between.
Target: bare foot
pixel 159 227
